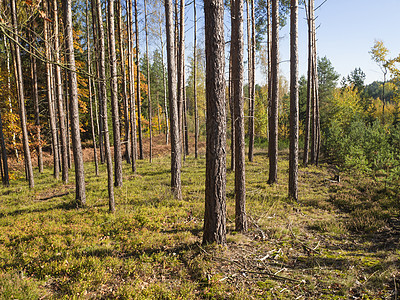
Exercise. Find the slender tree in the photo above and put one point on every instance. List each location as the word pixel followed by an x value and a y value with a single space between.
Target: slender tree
pixel 138 98
pixel 215 188
pixel 132 87
pixel 89 69
pixel 196 113
pixel 238 103
pixel 127 140
pixel 3 162
pixel 164 83
pixel 59 96
pixel 173 105
pixel 294 102
pixel 114 96
pixel 309 87
pixel 50 99
pixel 74 108
pixel 148 83
pixel 103 100
pixel 21 97
pixel 231 108
pixel 273 120
pixel 251 77
pixel 181 73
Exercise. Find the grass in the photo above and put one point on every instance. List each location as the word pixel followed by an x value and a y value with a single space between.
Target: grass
pixel 340 240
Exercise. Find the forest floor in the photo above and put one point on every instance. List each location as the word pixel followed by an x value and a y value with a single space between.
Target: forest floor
pixel 340 241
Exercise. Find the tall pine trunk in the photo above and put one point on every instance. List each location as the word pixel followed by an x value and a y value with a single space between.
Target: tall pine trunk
pixel 50 99
pixel 114 96
pixel 196 113
pixel 3 161
pixel 273 120
pixel 238 103
pixel 21 97
pixel 103 105
pixel 294 102
pixel 173 105
pixel 215 188
pixel 59 96
pixel 74 107
pixel 138 98
pixel 148 85
pixel 250 21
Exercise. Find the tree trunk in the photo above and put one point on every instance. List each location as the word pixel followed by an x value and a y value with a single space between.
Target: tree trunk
pixel 269 48
pixel 114 96
pixel 250 79
pixel 165 89
pixel 238 103
pixel 74 108
pixel 231 108
pixel 89 69
pixel 294 102
pixel 148 85
pixel 173 106
pixel 52 115
pixel 132 87
pixel 215 188
pixel 37 112
pixel 21 97
pixel 103 105
pixel 127 140
pixel 196 113
pixel 3 161
pixel 59 95
pixel 273 120
pixel 138 98
pixel 181 75
pixel 313 95
pixel 309 88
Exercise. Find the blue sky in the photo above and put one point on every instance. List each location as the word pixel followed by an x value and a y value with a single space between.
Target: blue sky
pixel 348 29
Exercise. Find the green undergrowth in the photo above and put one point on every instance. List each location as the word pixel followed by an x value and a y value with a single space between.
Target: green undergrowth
pixel 339 240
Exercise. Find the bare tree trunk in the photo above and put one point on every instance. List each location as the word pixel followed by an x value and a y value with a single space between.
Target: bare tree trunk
pixel 37 111
pixel 185 108
pixel 316 97
pixel 181 75
pixel 103 105
pixel 89 63
pixel 196 113
pixel 238 102
pixel 114 96
pixel 74 109
pixel 138 98
pixel 132 87
pixel 309 88
pixel 232 110
pixel 127 140
pixel 294 102
pixel 59 95
pixel 148 85
pixel 215 189
pixel 158 114
pixel 3 161
pixel 10 104
pixel 173 106
pixel 250 80
pixel 165 90
pixel 52 116
pixel 269 48
pixel 273 124
pixel 19 79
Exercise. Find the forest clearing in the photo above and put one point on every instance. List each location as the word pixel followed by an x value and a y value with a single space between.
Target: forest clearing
pixel 186 149
pixel 340 241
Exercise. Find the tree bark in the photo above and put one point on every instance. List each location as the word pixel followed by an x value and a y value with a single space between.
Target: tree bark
pixel 127 140
pixel 49 76
pixel 103 105
pixel 231 108
pixel 74 108
pixel 138 98
pixel 196 113
pixel 114 96
pixel 294 102
pixel 238 103
pixel 273 120
pixel 37 112
pixel 250 66
pixel 89 69
pixel 148 85
pixel 181 74
pixel 132 86
pixel 59 95
pixel 165 87
pixel 21 97
pixel 215 188
pixel 5 177
pixel 173 106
